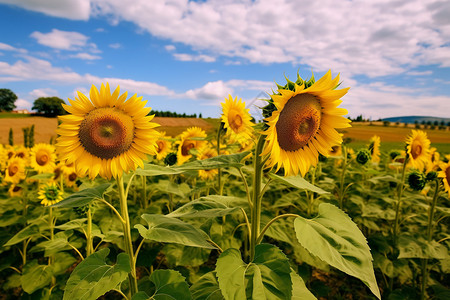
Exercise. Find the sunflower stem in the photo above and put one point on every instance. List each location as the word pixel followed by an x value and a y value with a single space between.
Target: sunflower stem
pixel 219 175
pixel 429 236
pixel 256 199
pixel 89 242
pixel 127 235
pixel 342 179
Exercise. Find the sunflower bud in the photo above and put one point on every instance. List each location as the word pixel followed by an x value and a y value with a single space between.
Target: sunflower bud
pixel 394 153
pixel 82 211
pixel 363 156
pixel 416 180
pixel 431 176
pixel 171 159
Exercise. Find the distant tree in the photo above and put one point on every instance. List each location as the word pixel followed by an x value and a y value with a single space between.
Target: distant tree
pixel 428 123
pixel 423 122
pixel 386 123
pixel 442 123
pixel 11 137
pixel 7 99
pixel 436 123
pixel 200 116
pixel 49 106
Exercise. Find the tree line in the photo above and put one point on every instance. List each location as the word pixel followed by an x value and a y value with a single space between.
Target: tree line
pixel 52 106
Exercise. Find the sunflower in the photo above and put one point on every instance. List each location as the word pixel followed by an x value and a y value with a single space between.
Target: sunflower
pixel 191 138
pixel 23 153
pixel 418 148
pixel 445 175
pixel 374 148
pixel 71 178
pixel 164 146
pixel 433 160
pixel 49 194
pixel 204 153
pixel 303 123
pixel 15 170
pixel 236 119
pixel 42 158
pixel 15 190
pixel 106 135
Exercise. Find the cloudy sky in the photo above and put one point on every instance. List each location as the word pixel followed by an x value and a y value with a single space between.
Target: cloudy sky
pixel 187 56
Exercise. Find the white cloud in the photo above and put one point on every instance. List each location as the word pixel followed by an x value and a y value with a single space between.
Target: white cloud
pixel 64 40
pixel 190 57
pixel 115 45
pixel 85 56
pixel 419 73
pixel 214 90
pixel 170 47
pixel 70 9
pixel 7 47
pixel 375 38
pixel 45 92
pixel 23 104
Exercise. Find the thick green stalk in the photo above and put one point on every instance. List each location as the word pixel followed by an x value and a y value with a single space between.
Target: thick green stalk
pixel 342 179
pixel 127 235
pixel 256 199
pixel 219 176
pixel 429 236
pixel 399 202
pixel 89 245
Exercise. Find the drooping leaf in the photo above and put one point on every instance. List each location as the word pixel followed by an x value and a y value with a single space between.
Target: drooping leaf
pixel 298 182
pixel 299 289
pixel 202 209
pixel 72 224
pixel 206 288
pixel 156 170
pixel 170 284
pixel 93 277
pixel 334 238
pixel 29 231
pixel 58 243
pixel 170 230
pixel 266 277
pixel 180 255
pixel 221 161
pixel 83 197
pixel 36 276
pixel 412 247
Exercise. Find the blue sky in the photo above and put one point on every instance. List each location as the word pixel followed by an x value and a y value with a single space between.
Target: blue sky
pixel 187 56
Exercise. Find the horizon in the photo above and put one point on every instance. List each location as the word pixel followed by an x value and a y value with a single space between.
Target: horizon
pixel 188 57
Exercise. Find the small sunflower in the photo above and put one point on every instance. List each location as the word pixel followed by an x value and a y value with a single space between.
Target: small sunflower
pixel 42 158
pixel 163 146
pixel 71 178
pixel 236 119
pixel 106 135
pixel 23 153
pixel 15 190
pixel 304 123
pixel 49 194
pixel 418 148
pixel 433 160
pixel 15 170
pixel 444 173
pixel 374 148
pixel 190 139
pixel 204 153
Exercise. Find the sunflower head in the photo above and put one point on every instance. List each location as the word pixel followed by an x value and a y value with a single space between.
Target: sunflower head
pixel 236 119
pixel 444 173
pixel 107 134
pixel 418 148
pixel 433 160
pixel 204 153
pixel 363 156
pixel 15 170
pixel 374 148
pixel 304 123
pixel 191 139
pixel 15 190
pixel 42 158
pixel 417 180
pixel 50 194
pixel 163 146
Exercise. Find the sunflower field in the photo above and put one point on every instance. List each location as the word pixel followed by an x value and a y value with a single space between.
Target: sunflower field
pixel 280 209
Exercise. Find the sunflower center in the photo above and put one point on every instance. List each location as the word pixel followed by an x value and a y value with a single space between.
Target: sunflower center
pixel 13 170
pixel 235 120
pixel 416 151
pixel 187 145
pixel 106 132
pixel 298 122
pixel 73 177
pixel 160 145
pixel 42 158
pixel 51 193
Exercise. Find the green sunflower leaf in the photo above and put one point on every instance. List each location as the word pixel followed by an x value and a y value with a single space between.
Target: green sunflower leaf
pixel 83 197
pixel 35 276
pixel 165 229
pixel 156 170
pixel 93 277
pixel 334 238
pixel 202 209
pixel 299 289
pixel 221 161
pixel 169 285
pixel 29 231
pixel 298 182
pixel 268 276
pixel 206 288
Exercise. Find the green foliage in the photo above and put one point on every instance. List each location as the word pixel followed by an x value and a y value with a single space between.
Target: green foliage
pixel 49 106
pixel 7 99
pixel 83 197
pixel 167 284
pixel 93 277
pixel 11 137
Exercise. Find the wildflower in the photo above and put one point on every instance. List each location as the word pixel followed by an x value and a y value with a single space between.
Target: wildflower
pixel 106 135
pixel 418 147
pixel 303 124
